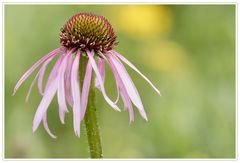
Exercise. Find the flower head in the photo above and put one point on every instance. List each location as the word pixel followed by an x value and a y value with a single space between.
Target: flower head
pixel 88 32
pixel 83 36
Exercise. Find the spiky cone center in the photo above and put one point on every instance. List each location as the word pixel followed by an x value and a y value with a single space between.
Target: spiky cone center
pixel 88 32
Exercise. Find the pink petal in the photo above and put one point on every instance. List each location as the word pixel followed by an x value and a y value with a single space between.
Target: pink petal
pixel 117 83
pixel 123 92
pixel 68 82
pixel 118 95
pixel 41 73
pixel 128 84
pixel 134 68
pixel 54 71
pixel 95 68
pixel 62 115
pixel 85 89
pixel 61 88
pixel 76 94
pixel 53 76
pixel 128 104
pixel 31 86
pixel 45 125
pixel 29 72
pixel 101 67
pixel 43 106
pixel 49 93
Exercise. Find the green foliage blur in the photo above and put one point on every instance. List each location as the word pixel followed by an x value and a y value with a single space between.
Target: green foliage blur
pixel 187 51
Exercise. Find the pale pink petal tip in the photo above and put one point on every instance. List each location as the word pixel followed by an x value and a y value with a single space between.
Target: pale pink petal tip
pixel 34 128
pixel 130 122
pixel 117 99
pixel 143 114
pixel 62 116
pixel 77 133
pixel 45 125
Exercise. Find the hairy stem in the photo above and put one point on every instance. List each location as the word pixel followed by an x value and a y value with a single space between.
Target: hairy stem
pixel 90 117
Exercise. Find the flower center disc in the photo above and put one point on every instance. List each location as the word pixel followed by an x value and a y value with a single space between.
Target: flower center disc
pixel 88 32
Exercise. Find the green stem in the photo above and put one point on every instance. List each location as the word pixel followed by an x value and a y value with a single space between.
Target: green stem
pixel 90 117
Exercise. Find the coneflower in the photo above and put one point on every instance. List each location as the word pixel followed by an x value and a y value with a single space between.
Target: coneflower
pixel 84 38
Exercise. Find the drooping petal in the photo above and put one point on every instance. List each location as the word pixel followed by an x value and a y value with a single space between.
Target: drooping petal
pixel 61 89
pixel 43 106
pixel 54 76
pixel 49 93
pixel 118 95
pixel 128 104
pixel 41 74
pixel 67 80
pixel 101 67
pixel 76 95
pixel 61 113
pixel 102 72
pixel 128 84
pixel 29 71
pixel 122 91
pixel 61 86
pixel 45 125
pixel 31 86
pixel 85 89
pixel 134 68
pixel 95 68
pixel 54 71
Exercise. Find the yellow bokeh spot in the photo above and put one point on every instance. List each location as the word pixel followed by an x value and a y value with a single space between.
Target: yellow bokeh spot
pixel 144 21
pixel 164 56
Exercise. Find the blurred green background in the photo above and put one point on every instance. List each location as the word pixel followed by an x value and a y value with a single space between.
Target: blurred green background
pixel 187 51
